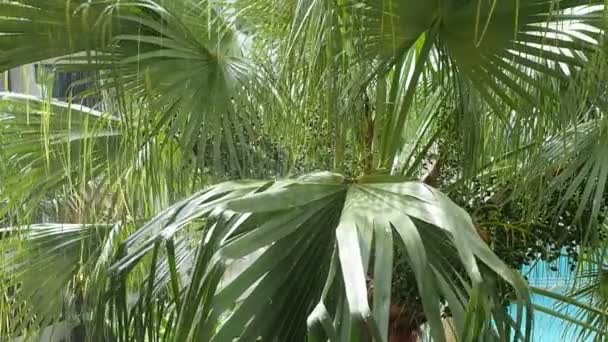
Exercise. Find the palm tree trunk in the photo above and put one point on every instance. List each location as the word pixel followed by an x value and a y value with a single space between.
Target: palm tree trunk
pixel 403 326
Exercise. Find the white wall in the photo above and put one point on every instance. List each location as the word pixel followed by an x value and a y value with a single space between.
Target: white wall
pixel 23 80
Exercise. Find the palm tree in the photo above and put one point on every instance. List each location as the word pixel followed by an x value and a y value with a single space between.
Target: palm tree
pixel 338 107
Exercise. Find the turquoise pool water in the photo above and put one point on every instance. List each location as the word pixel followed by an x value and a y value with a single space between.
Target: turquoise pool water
pixel 548 328
pixel 555 277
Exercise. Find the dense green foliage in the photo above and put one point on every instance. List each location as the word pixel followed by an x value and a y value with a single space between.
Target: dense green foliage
pixel 410 154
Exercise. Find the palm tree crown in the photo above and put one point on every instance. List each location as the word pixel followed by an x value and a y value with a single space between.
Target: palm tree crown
pixel 405 152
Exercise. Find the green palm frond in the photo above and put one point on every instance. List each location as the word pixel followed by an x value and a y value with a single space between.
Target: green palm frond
pixel 41 275
pixel 499 45
pixel 512 45
pixel 48 144
pixel 513 55
pixel 573 166
pixel 201 91
pixel 318 235
pixel 179 59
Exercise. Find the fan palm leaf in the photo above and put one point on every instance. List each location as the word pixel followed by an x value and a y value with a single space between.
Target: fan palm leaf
pixel 315 230
pixel 170 55
pixel 50 144
pixel 42 275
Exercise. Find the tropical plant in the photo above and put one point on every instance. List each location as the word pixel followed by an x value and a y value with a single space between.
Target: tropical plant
pixel 162 234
